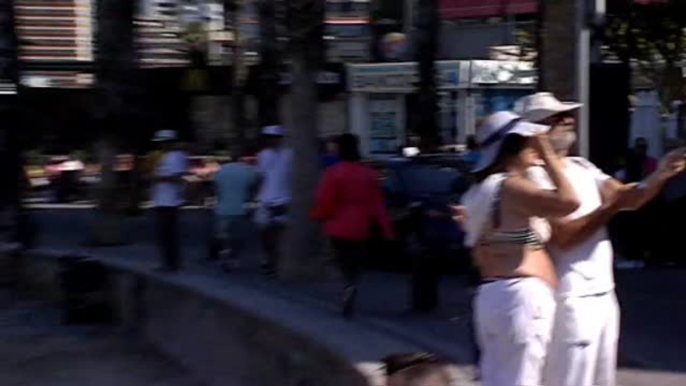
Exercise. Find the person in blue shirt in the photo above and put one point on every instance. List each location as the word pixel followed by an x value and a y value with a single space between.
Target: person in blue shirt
pixel 235 184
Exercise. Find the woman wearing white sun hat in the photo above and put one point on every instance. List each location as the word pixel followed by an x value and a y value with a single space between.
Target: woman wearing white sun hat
pixel 515 304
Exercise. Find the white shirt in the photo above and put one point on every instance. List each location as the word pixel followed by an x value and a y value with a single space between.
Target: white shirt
pixel 478 202
pixel 585 269
pixel 165 194
pixel 275 165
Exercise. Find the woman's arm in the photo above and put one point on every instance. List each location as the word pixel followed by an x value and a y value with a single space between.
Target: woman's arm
pixel 566 195
pixel 568 234
pixel 538 202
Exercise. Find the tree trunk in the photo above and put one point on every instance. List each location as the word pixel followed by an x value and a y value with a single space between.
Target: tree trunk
pixel 232 9
pixel 116 72
pixel 306 19
pixel 268 105
pixel 558 42
pixel 427 46
pixel 11 163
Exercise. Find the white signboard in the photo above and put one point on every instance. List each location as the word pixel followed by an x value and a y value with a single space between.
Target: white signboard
pixel 506 73
pixel 404 77
pixel 384 124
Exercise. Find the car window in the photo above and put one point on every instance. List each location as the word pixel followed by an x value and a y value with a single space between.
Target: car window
pixel 425 179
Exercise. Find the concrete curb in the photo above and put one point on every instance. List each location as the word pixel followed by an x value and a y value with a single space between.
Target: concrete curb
pixel 223 340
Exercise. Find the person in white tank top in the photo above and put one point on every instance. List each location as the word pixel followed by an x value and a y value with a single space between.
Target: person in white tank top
pixel 583 349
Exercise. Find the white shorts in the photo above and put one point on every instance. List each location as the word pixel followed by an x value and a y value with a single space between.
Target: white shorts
pixel 514 320
pixel 583 351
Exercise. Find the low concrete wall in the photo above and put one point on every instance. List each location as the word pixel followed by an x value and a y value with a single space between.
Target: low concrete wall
pixel 224 343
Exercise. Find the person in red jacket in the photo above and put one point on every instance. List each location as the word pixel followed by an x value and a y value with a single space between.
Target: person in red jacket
pixel 350 203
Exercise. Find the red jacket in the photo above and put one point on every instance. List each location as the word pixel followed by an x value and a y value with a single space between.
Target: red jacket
pixel 349 200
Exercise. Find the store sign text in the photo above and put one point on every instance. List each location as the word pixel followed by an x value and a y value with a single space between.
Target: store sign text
pixel 401 77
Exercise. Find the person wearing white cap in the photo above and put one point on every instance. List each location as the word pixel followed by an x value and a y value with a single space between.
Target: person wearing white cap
pixel 167 196
pixel 274 165
pixel 514 305
pixel 583 349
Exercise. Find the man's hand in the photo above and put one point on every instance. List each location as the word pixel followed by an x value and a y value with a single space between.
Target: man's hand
pixel 672 163
pixel 541 143
pixel 633 196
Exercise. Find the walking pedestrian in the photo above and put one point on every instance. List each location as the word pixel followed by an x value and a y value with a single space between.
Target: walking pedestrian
pixel 274 165
pixel 168 196
pixel 515 303
pixel 234 183
pixel 583 349
pixel 350 203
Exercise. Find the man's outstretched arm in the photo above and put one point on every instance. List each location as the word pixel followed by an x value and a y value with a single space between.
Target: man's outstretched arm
pixel 617 197
pixel 670 165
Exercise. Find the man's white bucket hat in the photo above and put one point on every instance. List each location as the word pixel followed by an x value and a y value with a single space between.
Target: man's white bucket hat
pixel 542 105
pixel 493 131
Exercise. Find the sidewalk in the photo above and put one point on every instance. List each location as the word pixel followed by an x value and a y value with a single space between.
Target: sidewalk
pixel 652 339
pixel 383 296
pixel 37 349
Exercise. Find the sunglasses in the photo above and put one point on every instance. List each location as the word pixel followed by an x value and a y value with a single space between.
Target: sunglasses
pixel 557 118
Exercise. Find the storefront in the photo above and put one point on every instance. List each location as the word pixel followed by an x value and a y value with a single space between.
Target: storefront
pixel 381 102
pixel 496 85
pixel 383 99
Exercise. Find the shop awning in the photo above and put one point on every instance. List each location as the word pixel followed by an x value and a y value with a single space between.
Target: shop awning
pixel 457 9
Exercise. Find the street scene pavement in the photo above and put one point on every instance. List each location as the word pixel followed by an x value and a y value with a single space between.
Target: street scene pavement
pixel 37 349
pixel 651 349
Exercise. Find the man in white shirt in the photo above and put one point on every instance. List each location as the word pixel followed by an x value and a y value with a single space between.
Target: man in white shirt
pixel 167 194
pixel 583 350
pixel 274 165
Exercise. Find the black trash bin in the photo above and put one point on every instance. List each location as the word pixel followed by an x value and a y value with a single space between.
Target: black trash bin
pixel 84 289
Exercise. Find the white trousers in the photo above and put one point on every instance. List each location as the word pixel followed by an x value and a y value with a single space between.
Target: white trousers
pixel 583 350
pixel 514 320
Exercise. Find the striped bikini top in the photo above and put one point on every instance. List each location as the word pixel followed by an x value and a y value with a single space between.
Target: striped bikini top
pixel 522 236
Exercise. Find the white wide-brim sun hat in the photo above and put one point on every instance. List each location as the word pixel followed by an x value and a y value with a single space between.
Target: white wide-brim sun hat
pixel 542 105
pixel 164 136
pixel 493 131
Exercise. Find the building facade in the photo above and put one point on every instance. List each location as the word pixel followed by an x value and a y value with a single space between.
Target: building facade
pixel 56 39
